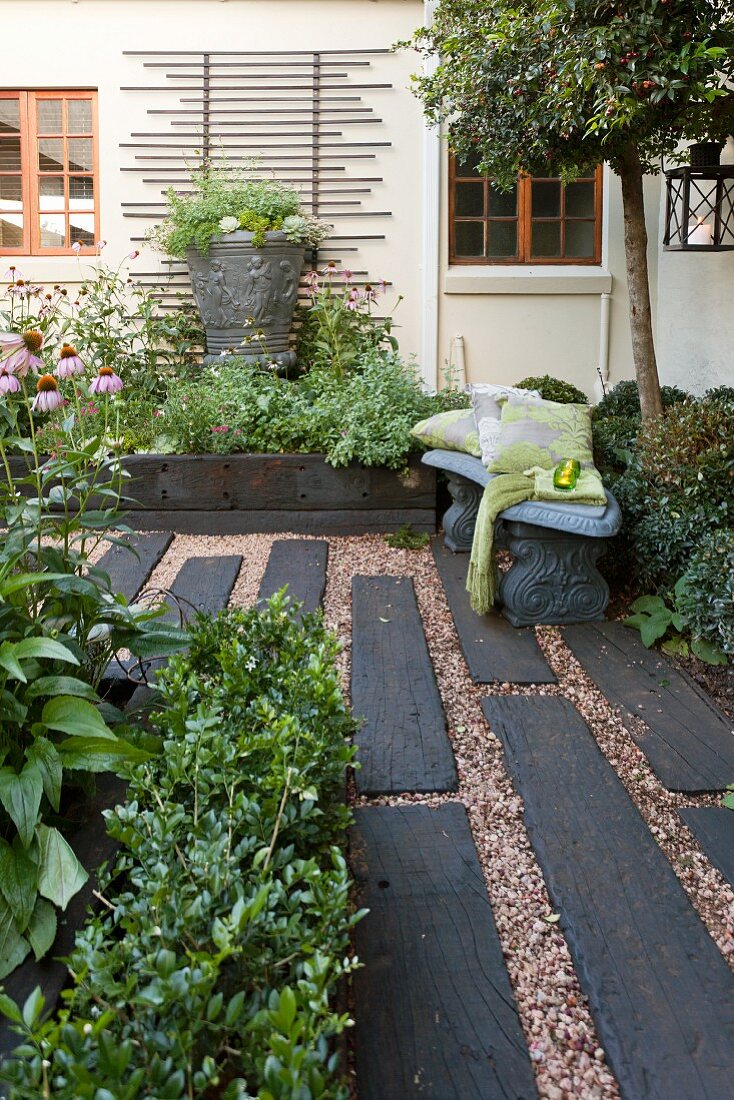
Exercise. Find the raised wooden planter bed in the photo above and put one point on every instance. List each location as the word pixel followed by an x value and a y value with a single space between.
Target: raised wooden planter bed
pixel 240 494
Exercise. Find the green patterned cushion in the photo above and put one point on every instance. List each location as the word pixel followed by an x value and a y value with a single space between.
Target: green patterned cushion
pixel 486 399
pixel 455 430
pixel 534 432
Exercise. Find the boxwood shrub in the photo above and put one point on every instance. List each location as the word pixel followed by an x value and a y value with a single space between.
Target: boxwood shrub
pixel 706 599
pixel 212 969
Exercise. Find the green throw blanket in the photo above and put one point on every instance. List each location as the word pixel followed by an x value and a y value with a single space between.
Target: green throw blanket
pixel 502 492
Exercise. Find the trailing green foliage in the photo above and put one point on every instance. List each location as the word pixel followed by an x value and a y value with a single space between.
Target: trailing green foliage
pixel 214 969
pixel 365 416
pixel 655 620
pixel 554 389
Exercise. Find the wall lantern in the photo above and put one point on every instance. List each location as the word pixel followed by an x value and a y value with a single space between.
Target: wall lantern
pixel 699 209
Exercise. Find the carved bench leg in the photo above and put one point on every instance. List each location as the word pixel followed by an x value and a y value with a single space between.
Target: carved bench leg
pixel 460 519
pixel 553 577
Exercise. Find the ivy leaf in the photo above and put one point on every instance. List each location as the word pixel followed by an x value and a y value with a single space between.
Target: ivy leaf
pixel 41 930
pixel 76 717
pixel 61 873
pixel 20 794
pixel 18 882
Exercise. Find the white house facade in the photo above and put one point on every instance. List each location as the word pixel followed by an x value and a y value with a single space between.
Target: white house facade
pixel 106 103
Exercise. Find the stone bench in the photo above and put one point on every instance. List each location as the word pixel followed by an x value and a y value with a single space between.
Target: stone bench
pixel 555 547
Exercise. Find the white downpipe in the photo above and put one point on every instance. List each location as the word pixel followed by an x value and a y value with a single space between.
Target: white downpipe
pixel 457 362
pixel 431 211
pixel 602 380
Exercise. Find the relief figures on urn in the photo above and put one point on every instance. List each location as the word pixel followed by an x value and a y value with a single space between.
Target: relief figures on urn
pixel 262 291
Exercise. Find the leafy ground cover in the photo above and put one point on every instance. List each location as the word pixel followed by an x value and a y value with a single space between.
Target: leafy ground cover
pixel 227 920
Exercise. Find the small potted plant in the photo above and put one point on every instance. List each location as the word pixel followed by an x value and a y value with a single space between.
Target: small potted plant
pixel 244 240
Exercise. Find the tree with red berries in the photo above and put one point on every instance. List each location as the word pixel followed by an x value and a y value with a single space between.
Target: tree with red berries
pixel 558 87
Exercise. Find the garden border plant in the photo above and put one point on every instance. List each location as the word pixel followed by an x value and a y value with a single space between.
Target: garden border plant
pixel 227 922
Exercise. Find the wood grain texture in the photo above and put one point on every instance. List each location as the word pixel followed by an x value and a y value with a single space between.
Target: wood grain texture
pixel 316 522
pixel 495 651
pixel 279 482
pixel 660 992
pixel 435 1014
pixel 403 744
pixel 300 564
pixel 688 741
pixel 204 584
pixel 129 569
pixel 93 847
pixel 713 828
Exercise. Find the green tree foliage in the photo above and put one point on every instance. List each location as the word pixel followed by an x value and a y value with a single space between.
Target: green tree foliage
pixel 560 86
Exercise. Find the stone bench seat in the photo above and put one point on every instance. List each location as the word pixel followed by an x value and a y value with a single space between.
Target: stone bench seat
pixel 555 547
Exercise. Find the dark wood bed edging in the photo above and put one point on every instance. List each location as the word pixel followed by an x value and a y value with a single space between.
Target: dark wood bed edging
pixel 245 493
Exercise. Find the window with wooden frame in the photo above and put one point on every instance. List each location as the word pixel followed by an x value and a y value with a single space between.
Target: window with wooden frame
pixel 49 194
pixel 541 221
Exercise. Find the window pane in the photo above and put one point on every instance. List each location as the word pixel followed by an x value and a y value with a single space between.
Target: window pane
pixel 80 154
pixel 81 192
pixel 51 193
pixel 11 193
pixel 9 116
pixel 49 116
pixel 547 199
pixel 469 238
pixel 501 240
pixel 10 155
pixel 580 200
pixel 53 230
pixel 79 116
pixel 467 167
pixel 81 228
pixel 546 239
pixel 580 240
pixel 469 200
pixel 11 230
pixel 502 204
pixel 51 155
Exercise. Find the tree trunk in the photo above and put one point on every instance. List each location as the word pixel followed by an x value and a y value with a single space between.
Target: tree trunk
pixel 638 283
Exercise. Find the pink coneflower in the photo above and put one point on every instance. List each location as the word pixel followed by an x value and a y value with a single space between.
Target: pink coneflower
pixel 48 397
pixel 69 362
pixel 370 293
pixel 330 270
pixel 348 275
pixel 106 382
pixel 8 383
pixel 352 301
pixel 19 351
pixel 133 255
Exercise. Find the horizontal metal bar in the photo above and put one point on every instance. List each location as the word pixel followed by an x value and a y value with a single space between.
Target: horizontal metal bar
pixel 259 145
pixel 253 53
pixel 284 122
pixel 229 133
pixel 322 191
pixel 251 87
pixel 251 64
pixel 315 110
pixel 273 99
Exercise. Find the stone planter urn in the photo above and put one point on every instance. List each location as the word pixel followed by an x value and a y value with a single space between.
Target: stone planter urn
pixel 246 296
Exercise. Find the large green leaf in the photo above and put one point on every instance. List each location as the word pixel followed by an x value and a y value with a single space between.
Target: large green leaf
pixel 650 604
pixel 11 708
pixel 76 717
pixel 708 652
pixel 654 628
pixel 43 754
pixel 41 930
pixel 44 647
pixel 61 874
pixel 27 580
pixel 20 794
pixel 13 948
pixel 18 882
pixel 10 662
pixel 61 685
pixel 99 754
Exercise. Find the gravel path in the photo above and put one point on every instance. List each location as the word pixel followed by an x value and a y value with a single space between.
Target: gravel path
pixel 568 1057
